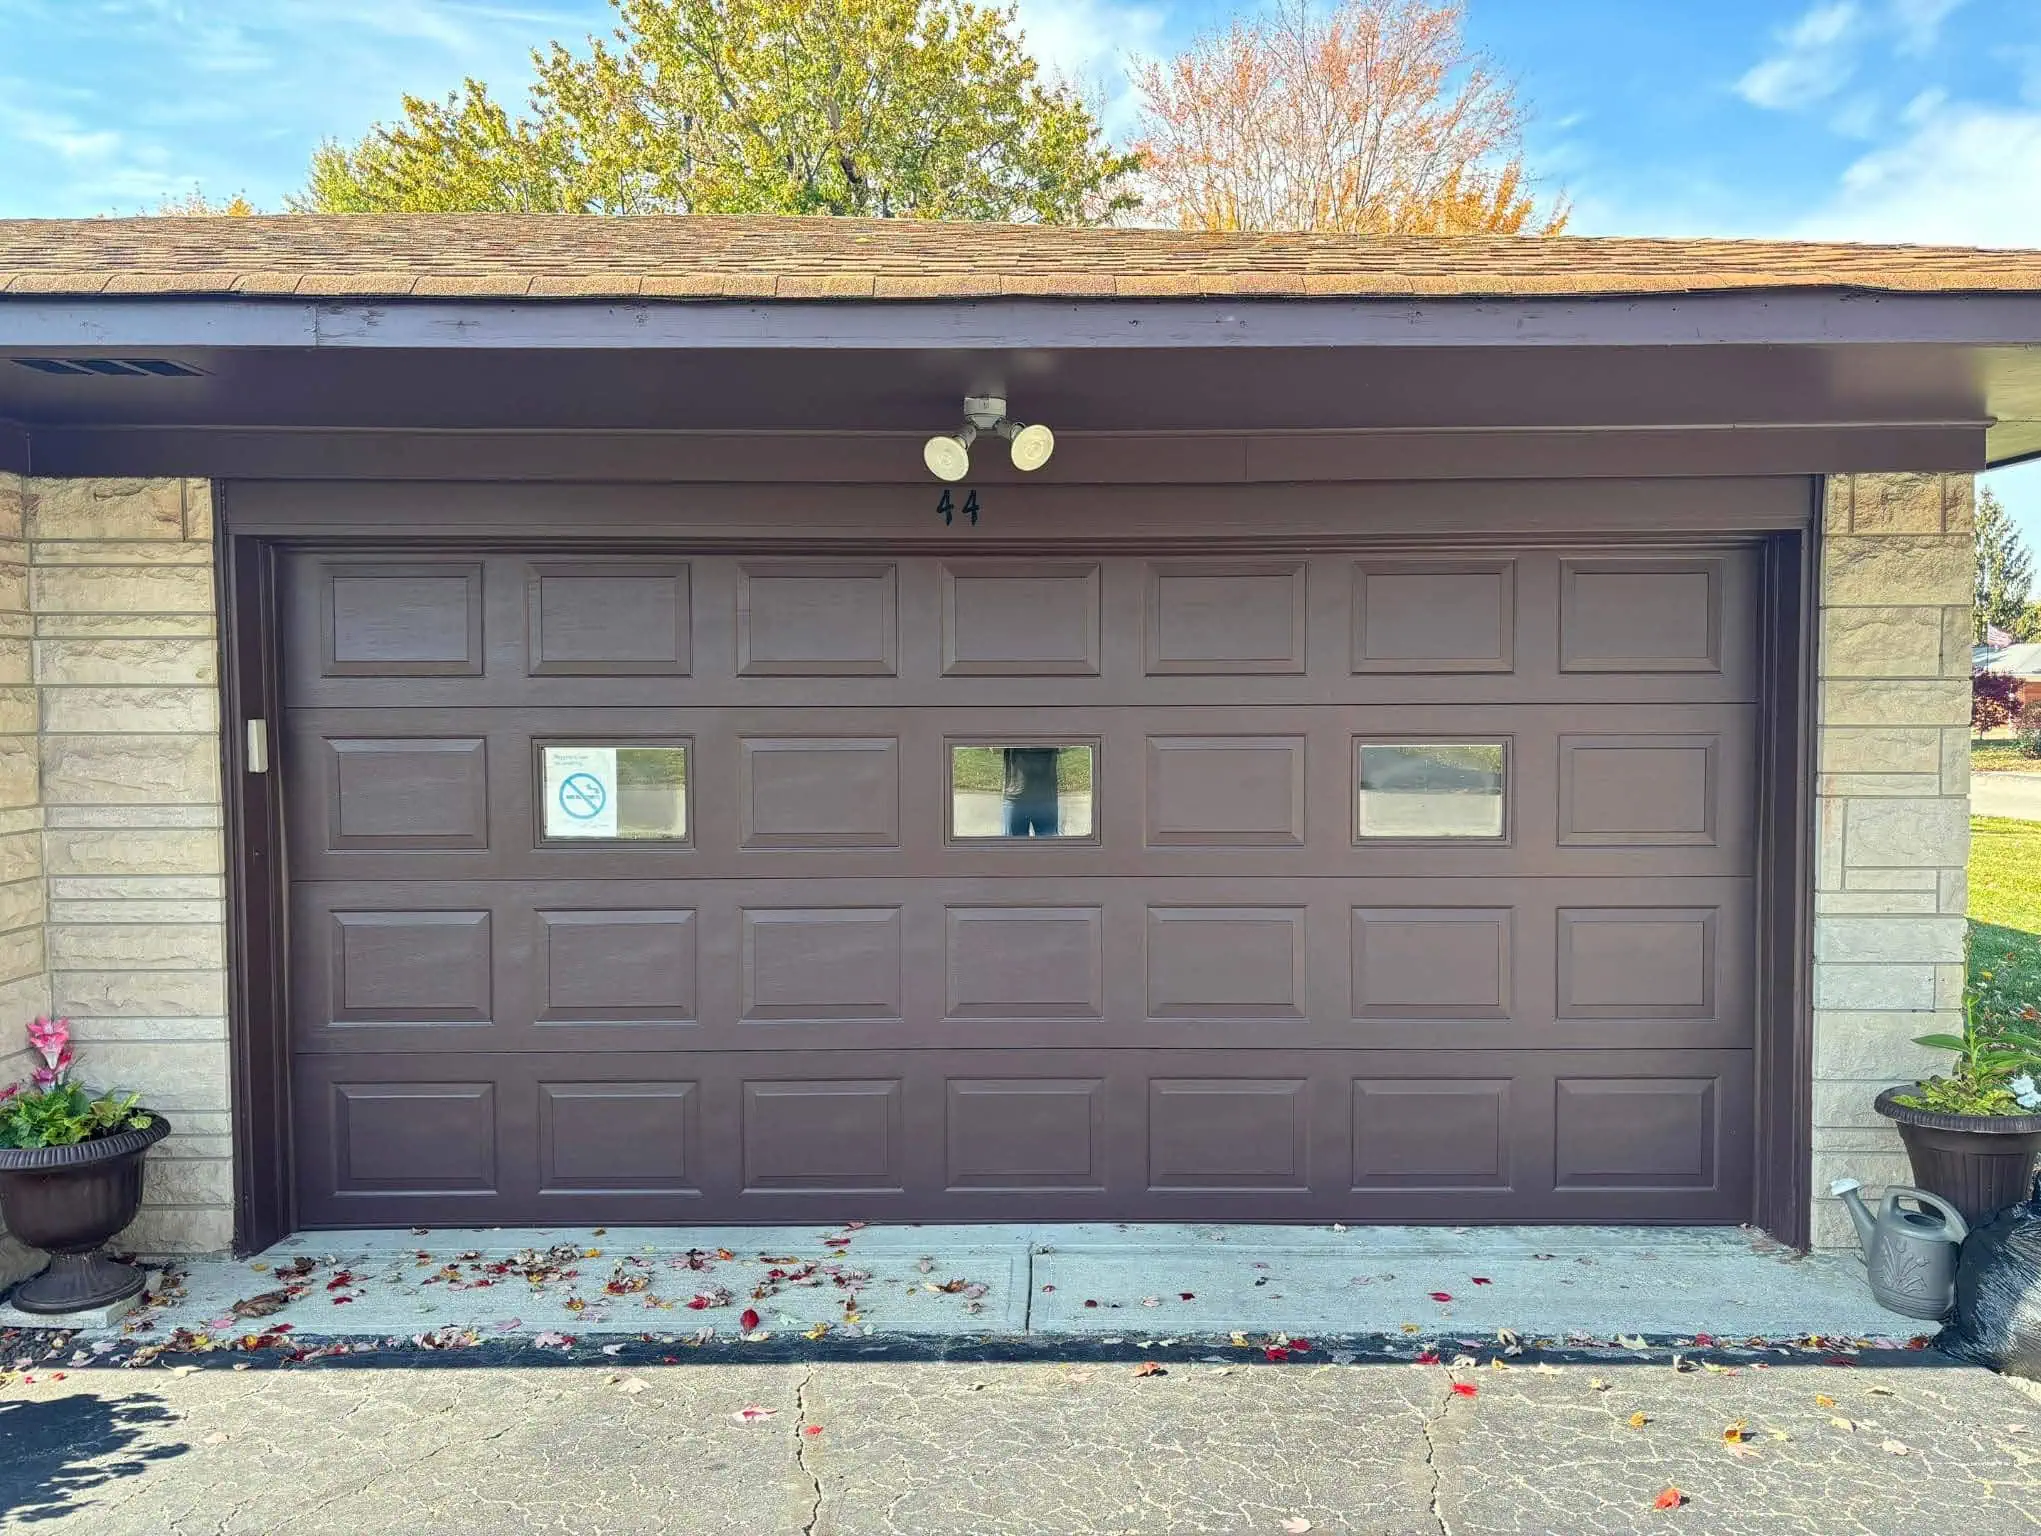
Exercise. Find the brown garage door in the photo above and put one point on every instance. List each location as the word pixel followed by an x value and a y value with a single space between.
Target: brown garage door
pixel 671 886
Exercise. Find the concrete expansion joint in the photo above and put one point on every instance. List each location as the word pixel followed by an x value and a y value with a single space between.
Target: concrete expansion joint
pixel 801 1437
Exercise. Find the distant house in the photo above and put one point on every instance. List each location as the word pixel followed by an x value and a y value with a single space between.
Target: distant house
pixel 2021 660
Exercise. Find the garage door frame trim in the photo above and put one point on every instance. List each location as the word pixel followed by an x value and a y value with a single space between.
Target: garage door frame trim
pixel 257 893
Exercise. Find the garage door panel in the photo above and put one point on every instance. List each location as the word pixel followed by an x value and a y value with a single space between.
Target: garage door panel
pixel 1499 967
pixel 1579 625
pixel 1658 790
pixel 608 618
pixel 634 965
pixel 1060 1134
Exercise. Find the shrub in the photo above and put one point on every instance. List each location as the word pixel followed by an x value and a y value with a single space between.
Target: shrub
pixel 1994 700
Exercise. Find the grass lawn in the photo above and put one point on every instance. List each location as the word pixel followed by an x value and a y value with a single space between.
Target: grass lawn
pixel 2000 754
pixel 2005 903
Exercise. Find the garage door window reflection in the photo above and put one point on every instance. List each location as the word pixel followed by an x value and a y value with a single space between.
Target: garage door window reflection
pixel 1011 790
pixel 1431 789
pixel 610 792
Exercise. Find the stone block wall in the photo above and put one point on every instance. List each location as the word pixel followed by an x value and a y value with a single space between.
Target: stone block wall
pixel 124 662
pixel 24 984
pixel 1892 810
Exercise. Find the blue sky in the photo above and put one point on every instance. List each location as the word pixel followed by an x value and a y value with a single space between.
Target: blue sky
pixel 1840 119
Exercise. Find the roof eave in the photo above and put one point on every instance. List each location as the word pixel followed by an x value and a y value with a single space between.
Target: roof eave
pixel 1795 317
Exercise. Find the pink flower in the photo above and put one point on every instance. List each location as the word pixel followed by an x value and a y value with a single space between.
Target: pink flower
pixel 44 1078
pixel 51 1038
pixel 9 1092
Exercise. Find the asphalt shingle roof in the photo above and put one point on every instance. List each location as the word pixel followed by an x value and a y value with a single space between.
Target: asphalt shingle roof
pixel 564 256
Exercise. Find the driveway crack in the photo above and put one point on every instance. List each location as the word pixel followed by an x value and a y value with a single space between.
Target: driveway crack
pixel 801 1438
pixel 1429 1422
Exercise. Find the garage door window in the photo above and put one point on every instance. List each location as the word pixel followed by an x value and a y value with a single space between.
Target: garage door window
pixel 610 791
pixel 1010 790
pixel 1421 790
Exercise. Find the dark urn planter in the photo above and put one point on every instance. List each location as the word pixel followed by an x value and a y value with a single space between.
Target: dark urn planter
pixel 69 1200
pixel 1978 1163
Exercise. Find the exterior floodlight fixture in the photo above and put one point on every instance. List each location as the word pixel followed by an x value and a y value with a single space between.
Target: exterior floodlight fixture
pixel 948 455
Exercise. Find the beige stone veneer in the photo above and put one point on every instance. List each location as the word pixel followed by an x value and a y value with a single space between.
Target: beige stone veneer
pixel 1892 809
pixel 110 848
pixel 111 872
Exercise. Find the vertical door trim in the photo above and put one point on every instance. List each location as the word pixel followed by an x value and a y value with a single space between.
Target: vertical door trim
pixel 259 1044
pixel 1782 1167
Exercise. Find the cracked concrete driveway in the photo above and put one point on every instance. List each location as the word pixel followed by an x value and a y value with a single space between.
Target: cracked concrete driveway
pixel 1030 1449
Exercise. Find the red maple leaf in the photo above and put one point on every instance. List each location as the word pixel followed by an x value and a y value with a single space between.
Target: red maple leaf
pixel 1482 1280
pixel 1670 1498
pixel 1442 1295
pixel 749 1319
pixel 1188 1295
pixel 1464 1389
pixel 1276 1352
pixel 1429 1357
pixel 1301 1346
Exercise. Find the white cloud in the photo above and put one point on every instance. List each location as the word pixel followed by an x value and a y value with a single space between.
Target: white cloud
pixel 1961 173
pixel 1814 59
pixel 1919 23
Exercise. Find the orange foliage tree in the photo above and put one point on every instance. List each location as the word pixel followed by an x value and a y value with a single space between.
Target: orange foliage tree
pixel 1370 118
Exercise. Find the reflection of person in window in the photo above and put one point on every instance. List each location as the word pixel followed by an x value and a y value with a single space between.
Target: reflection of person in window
pixel 1030 792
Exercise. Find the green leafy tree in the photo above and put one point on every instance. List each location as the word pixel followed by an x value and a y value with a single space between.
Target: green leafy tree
pixel 2005 572
pixel 884 108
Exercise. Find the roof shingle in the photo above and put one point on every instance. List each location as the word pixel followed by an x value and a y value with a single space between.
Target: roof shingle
pixel 565 257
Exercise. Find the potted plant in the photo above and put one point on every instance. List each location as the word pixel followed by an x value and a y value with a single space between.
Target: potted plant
pixel 71 1176
pixel 1972 1134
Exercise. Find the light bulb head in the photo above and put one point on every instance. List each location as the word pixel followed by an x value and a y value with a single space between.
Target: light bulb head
pixel 948 456
pixel 1032 447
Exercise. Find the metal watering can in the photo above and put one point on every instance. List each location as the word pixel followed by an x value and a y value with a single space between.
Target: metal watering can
pixel 1911 1254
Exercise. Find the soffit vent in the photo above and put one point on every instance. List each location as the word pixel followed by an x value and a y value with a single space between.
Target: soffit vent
pixel 111 367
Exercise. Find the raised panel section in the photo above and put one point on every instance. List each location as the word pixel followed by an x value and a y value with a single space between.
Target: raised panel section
pixel 1020 618
pixel 1431 962
pixel 414 1138
pixel 411 968
pixel 620 618
pixel 617 967
pixel 1640 616
pixel 414 620
pixel 1225 791
pixel 1225 962
pixel 821 963
pixel 1025 963
pixel 822 1135
pixel 820 792
pixel 1637 791
pixel 407 792
pixel 1637 1132
pixel 1228 1133
pixel 1214 617
pixel 817 619
pixel 1637 963
pixel 1414 616
pixel 618 1138
pixel 1023 1134
pixel 1443 1134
